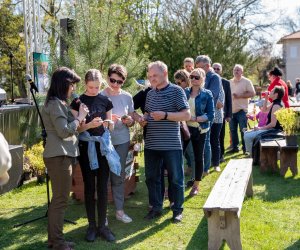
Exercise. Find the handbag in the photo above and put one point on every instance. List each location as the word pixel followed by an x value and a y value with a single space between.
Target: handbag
pixel 184 130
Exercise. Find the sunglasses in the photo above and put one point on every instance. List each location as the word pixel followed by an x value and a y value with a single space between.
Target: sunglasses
pixel 112 80
pixel 217 69
pixel 194 77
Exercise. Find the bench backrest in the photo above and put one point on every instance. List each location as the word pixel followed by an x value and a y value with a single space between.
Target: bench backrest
pixel 229 190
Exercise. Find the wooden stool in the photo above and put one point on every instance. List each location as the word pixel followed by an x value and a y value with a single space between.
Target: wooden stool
pixel 268 155
pixel 288 158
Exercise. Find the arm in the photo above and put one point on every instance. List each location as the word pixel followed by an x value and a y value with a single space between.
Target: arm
pixel 221 100
pixel 214 86
pixel 228 101
pixel 183 115
pixel 273 122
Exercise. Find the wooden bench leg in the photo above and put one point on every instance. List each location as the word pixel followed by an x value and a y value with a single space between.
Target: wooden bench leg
pixel 268 159
pixel 288 158
pixel 249 191
pixel 224 225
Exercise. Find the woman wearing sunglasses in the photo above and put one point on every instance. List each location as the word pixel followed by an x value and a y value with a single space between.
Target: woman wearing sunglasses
pixel 202 114
pixel 122 114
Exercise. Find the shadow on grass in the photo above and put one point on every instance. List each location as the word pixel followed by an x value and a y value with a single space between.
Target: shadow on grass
pixel 295 246
pixel 199 240
pixel 276 187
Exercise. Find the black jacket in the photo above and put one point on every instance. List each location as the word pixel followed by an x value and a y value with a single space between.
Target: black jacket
pixel 228 98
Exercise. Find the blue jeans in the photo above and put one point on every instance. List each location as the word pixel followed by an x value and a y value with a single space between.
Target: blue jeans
pixel 238 119
pixel 249 137
pixel 190 159
pixel 207 152
pixel 173 161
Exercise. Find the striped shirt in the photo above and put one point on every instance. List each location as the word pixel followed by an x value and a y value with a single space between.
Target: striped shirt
pixel 164 134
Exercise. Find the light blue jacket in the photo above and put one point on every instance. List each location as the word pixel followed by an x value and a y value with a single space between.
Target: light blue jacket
pixel 106 148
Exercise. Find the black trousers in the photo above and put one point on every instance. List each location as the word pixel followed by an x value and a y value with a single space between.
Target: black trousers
pixel 92 179
pixel 222 138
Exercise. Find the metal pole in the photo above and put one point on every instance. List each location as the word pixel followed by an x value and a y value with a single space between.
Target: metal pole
pixel 26 36
pixel 34 27
pixel 11 77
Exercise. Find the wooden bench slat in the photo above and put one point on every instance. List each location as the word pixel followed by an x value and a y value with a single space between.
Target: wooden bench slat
pixel 234 198
pixel 227 193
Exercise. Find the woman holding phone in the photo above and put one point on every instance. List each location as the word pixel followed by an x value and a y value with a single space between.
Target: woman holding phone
pixel 122 114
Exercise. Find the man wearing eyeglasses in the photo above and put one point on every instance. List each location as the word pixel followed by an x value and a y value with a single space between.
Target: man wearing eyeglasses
pixel 217 67
pixel 214 84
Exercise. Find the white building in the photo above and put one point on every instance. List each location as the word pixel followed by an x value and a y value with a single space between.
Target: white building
pixel 291 56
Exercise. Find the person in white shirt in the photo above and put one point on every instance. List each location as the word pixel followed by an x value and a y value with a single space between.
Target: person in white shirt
pixel 5 160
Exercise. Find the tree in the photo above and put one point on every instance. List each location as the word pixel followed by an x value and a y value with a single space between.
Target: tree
pixel 11 24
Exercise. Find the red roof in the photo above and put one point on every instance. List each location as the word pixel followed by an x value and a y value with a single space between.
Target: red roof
pixel 292 36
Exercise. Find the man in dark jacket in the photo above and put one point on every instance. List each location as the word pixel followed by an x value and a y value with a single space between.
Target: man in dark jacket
pixel 227 106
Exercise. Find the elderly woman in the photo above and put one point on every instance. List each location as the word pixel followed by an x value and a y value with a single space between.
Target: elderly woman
pixel 202 114
pixel 122 113
pixel 276 95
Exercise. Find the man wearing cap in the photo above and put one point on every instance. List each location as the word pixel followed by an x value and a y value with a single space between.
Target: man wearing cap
pixel 5 160
pixel 241 90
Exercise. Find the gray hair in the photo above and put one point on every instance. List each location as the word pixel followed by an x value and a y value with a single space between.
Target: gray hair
pixel 218 65
pixel 239 66
pixel 159 64
pixel 204 59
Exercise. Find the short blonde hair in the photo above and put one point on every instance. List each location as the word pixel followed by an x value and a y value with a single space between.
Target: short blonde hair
pixel 182 75
pixel 188 59
pixel 200 72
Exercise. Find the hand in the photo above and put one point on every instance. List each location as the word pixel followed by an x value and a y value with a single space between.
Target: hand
pixel 158 115
pixel 115 118
pixel 219 105
pixel 143 120
pixel 235 96
pixel 228 119
pixel 127 121
pixel 96 122
pixel 83 111
pixel 256 128
pixel 200 119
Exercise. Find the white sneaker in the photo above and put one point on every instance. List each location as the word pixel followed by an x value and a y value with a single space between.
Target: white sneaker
pixel 124 218
pixel 217 169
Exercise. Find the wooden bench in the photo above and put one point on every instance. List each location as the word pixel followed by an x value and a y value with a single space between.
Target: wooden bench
pixel 223 206
pixel 288 158
pixel 268 156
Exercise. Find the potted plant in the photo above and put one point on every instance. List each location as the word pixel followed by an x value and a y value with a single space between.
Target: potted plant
pixel 289 120
pixel 35 160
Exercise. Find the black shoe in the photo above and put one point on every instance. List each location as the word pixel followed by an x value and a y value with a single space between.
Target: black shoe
pixel 190 183
pixel 152 215
pixel 177 218
pixel 222 159
pixel 91 234
pixel 234 150
pixel 106 234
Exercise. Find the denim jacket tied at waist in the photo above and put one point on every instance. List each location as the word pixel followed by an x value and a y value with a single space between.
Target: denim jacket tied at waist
pixel 106 148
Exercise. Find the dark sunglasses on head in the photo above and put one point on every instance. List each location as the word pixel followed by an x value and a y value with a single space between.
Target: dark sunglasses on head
pixel 194 77
pixel 112 80
pixel 216 68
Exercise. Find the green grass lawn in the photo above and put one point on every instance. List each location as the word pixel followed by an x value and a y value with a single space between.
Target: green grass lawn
pixel 269 220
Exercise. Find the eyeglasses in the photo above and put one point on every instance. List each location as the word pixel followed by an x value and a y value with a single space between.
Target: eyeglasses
pixel 194 77
pixel 216 69
pixel 112 80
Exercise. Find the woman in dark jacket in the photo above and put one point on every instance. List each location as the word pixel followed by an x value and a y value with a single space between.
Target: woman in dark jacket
pixel 202 114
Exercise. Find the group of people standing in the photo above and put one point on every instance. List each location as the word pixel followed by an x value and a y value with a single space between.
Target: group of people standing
pixel 188 116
